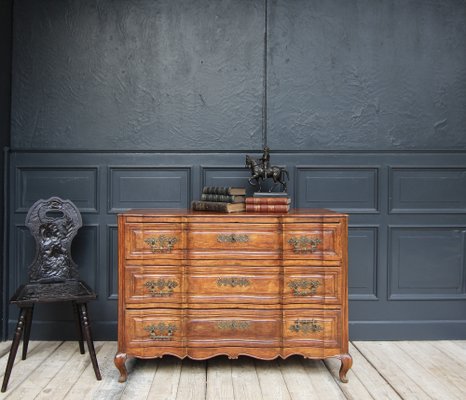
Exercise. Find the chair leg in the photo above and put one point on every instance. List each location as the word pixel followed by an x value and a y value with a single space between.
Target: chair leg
pixel 86 329
pixel 14 346
pixel 79 327
pixel 27 330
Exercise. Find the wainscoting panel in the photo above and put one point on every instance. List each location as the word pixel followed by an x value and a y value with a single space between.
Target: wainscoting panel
pixel 24 246
pixel 347 188
pixel 112 265
pixel 407 272
pixel 149 187
pixel 363 254
pixel 427 263
pixel 77 183
pixel 428 190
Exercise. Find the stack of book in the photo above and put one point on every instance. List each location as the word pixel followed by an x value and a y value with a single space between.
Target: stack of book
pixel 221 199
pixel 268 202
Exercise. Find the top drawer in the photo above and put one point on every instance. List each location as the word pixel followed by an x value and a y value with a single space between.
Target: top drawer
pixel 321 241
pixel 153 241
pixel 233 240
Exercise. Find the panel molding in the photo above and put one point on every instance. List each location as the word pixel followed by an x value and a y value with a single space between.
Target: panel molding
pixel 112 264
pixel 67 183
pixel 113 201
pixel 95 228
pixel 396 193
pixel 407 330
pixel 374 263
pixel 370 205
pixel 420 293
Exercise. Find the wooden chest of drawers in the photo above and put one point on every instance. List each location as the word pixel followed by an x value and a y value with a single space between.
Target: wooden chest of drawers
pixel 198 285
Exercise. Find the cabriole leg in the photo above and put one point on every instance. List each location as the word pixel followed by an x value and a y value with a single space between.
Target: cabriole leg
pixel 346 363
pixel 119 360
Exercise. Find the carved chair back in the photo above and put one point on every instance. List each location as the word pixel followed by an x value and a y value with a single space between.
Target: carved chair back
pixel 53 223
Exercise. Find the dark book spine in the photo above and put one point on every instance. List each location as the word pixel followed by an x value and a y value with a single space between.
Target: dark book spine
pixel 219 197
pixel 222 190
pixel 200 205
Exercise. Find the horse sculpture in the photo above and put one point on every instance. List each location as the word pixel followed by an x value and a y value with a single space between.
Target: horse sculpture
pixel 261 171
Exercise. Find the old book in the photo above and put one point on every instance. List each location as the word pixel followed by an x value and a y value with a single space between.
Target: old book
pixel 222 197
pixel 225 190
pixel 268 200
pixel 271 194
pixel 219 206
pixel 268 208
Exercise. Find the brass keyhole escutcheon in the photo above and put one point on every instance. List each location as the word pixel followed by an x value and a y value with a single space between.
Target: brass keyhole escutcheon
pixel 232 238
pixel 161 331
pixel 304 244
pixel 304 287
pixel 161 287
pixel 161 244
pixel 306 326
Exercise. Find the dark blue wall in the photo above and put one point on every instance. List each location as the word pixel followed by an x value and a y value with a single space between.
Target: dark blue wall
pixel 122 104
pixel 5 107
pixel 184 75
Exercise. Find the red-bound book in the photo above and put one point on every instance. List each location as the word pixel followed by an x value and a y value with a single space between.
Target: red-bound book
pixel 268 200
pixel 267 208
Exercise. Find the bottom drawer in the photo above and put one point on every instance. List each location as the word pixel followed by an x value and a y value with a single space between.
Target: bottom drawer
pixel 312 328
pixel 231 328
pixel 154 328
pixel 296 331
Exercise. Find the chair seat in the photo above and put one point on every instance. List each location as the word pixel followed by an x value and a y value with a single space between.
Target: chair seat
pixel 74 290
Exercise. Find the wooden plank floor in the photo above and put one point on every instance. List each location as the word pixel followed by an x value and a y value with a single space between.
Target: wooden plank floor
pixel 381 370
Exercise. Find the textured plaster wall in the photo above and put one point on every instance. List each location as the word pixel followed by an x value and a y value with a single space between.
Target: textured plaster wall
pixel 190 75
pixel 388 74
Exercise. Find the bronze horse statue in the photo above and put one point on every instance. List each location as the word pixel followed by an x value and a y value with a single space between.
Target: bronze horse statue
pixel 260 172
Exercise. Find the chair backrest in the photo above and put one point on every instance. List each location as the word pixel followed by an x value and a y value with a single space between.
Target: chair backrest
pixel 53 224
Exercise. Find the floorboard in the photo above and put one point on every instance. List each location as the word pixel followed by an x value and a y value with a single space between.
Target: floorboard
pixel 381 370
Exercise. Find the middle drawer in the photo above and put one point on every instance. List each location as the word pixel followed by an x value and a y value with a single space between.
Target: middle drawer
pixel 234 241
pixel 232 286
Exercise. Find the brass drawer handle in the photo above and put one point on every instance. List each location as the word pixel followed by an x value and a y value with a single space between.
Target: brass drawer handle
pixel 233 281
pixel 161 331
pixel 233 325
pixel 161 244
pixel 303 287
pixel 306 326
pixel 304 244
pixel 161 287
pixel 232 238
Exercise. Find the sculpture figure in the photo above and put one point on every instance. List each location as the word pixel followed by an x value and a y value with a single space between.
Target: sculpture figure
pixel 262 170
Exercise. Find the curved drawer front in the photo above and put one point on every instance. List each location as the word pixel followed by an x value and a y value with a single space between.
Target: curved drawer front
pixel 153 285
pixel 312 241
pixel 233 240
pixel 224 328
pixel 233 286
pixel 149 328
pixel 313 328
pixel 160 241
pixel 312 285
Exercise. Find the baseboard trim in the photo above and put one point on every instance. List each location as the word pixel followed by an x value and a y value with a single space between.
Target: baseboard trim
pixel 407 330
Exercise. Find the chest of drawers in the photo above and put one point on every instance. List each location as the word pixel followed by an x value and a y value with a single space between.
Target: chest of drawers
pixel 198 285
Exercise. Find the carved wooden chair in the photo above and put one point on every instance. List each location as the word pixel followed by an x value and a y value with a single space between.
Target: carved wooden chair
pixel 53 276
